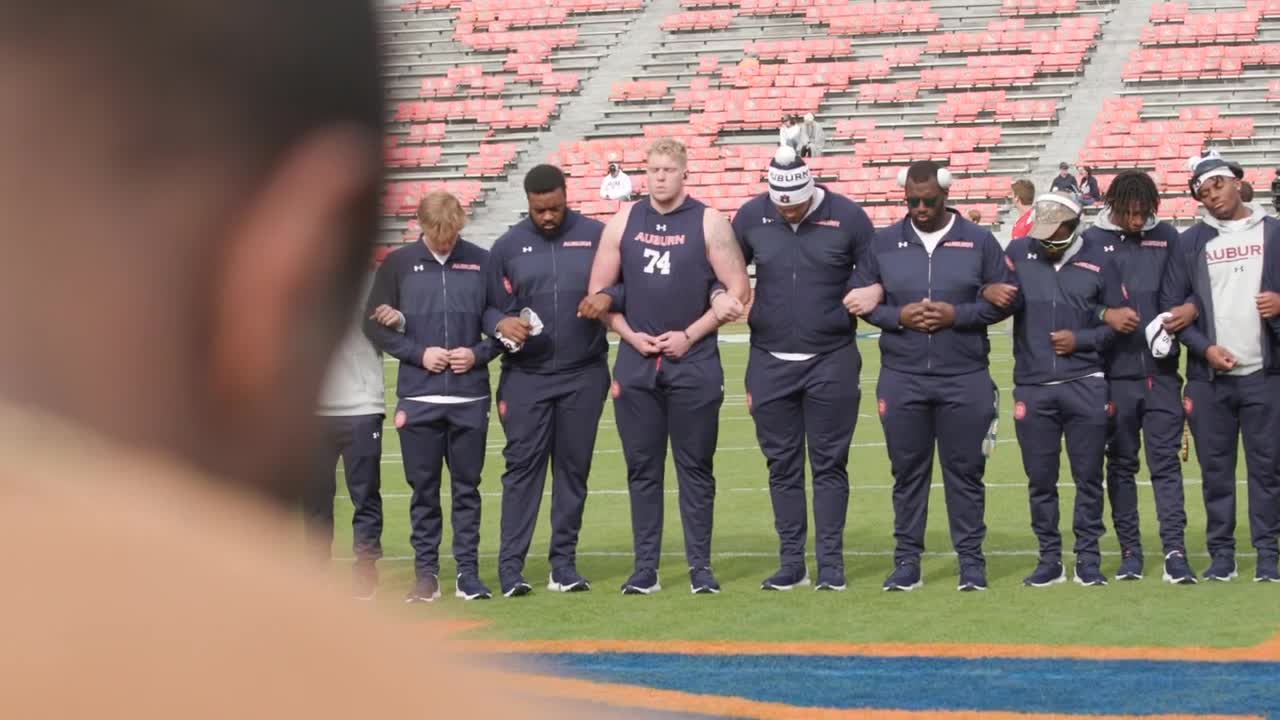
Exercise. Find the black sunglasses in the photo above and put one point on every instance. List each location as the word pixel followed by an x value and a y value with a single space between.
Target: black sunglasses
pixel 929 202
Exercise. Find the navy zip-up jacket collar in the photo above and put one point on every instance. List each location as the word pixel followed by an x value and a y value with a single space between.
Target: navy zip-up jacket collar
pixel 1132 279
pixel 1187 277
pixel 802 275
pixel 965 260
pixel 528 269
pixel 442 307
pixel 1049 300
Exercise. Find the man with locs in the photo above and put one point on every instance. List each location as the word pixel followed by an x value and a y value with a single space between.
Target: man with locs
pixel 1144 391
pixel 935 387
pixel 654 280
pixel 1230 263
pixel 554 380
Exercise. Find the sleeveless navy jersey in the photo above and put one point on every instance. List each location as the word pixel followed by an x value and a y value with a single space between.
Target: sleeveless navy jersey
pixel 666 273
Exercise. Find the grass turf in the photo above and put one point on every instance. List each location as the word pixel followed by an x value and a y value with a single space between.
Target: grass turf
pixel 744 549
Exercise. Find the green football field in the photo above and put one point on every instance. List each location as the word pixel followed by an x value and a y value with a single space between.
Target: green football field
pixel 1147 612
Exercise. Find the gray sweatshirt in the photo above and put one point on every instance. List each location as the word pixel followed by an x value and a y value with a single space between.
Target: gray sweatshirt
pixel 1234 259
pixel 354 384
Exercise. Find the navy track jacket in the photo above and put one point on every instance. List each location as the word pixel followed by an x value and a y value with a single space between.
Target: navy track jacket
pixel 965 260
pixel 442 307
pixel 1072 298
pixel 803 275
pixel 550 276
pixel 1133 280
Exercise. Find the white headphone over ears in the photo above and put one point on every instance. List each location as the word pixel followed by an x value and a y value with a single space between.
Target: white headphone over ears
pixel 944 178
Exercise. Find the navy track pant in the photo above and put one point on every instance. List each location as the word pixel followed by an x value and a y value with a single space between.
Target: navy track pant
pixel 656 400
pixel 547 418
pixel 1043 414
pixel 357 439
pixel 1153 407
pixel 815 403
pixel 1221 413
pixel 452 434
pixel 954 413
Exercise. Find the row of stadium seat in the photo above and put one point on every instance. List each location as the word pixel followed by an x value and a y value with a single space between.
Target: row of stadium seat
pixel 698 20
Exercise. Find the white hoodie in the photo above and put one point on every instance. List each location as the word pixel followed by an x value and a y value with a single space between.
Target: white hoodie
pixel 354 385
pixel 1234 259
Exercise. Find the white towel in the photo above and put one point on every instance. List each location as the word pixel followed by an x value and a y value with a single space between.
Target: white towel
pixel 1159 340
pixel 535 329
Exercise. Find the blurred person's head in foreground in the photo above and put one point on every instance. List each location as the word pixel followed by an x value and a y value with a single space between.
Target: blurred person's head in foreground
pixel 184 217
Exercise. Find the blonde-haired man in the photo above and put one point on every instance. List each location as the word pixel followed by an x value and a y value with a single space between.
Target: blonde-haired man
pixel 668 273
pixel 425 309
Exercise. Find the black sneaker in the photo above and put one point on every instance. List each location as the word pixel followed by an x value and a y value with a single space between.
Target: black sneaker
pixel 642 582
pixel 1048 572
pixel 1089 574
pixel 787 578
pixel 1177 571
pixel 905 577
pixel 703 582
pixel 514 586
pixel 567 580
pixel 1222 569
pixel 973 576
pixel 1267 570
pixel 364 579
pixel 469 587
pixel 831 579
pixel 425 590
pixel 1130 565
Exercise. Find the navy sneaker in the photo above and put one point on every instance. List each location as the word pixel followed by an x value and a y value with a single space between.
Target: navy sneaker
pixel 904 578
pixel 1267 570
pixel 1089 574
pixel 364 579
pixel 703 582
pixel 830 579
pixel 787 578
pixel 514 586
pixel 1177 571
pixel 425 590
pixel 1130 565
pixel 1048 572
pixel 973 576
pixel 642 582
pixel 567 580
pixel 1222 569
pixel 469 587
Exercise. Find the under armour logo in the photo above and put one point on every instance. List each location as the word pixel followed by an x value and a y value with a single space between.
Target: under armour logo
pixel 1109 248
pixel 377 435
pixel 1032 256
pixel 903 243
pixel 526 249
pixel 419 268
pixel 661 228
pixel 765 220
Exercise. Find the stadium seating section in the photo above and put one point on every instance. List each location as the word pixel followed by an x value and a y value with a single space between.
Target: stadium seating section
pixel 472 81
pixel 1200 79
pixel 975 84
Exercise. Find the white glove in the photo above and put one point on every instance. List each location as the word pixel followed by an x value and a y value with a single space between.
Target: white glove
pixel 1158 339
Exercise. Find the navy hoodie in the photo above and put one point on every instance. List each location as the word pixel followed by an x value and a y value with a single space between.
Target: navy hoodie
pixel 1133 280
pixel 1050 300
pixel 550 276
pixel 802 275
pixel 965 260
pixel 442 307
pixel 1187 275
